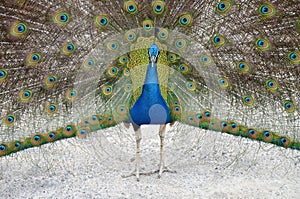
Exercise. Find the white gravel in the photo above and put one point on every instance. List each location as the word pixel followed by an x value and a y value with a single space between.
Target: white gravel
pixel 208 165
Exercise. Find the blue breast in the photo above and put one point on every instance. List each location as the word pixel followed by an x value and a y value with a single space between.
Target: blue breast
pixel 150 107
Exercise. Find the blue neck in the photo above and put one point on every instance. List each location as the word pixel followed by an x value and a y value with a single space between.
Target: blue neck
pixel 151 75
pixel 150 107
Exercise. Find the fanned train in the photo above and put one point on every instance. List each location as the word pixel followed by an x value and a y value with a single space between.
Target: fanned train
pixel 69 68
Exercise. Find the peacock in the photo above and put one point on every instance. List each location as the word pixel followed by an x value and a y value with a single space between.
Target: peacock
pixel 71 68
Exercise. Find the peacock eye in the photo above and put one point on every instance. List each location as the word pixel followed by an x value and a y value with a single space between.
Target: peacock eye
pixel 191 86
pixel 224 6
pixel 101 21
pixel 224 83
pixel 264 9
pixel 186 19
pixel 207 114
pixel 17 144
pixel 61 18
pixel 158 6
pixel 248 100
pixel 294 57
pixel 131 6
pixel 183 68
pixel 3 75
pixel 267 134
pixel 37 138
pixel 224 124
pixel 91 63
pixel 10 119
pixel 82 131
pixel 107 90
pixel 260 43
pixel 25 96
pixel 52 108
pixel 181 43
pixel 289 106
pixel 130 35
pixel 272 85
pixel 123 60
pixel 33 59
pixel 148 24
pixel 114 46
pixel 263 44
pixel 243 67
pixel 2 147
pixel 218 40
pixel 206 60
pixel 52 79
pixel 71 95
pixel 267 10
pixel 21 28
pixel 51 135
pixel 68 128
pixel 68 48
pixel 199 116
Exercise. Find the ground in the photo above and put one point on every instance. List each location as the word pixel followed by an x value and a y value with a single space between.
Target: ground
pixel 208 165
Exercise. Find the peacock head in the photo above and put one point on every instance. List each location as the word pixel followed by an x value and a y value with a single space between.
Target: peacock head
pixel 153 53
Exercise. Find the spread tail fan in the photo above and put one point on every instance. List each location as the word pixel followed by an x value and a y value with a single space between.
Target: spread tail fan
pixel 69 68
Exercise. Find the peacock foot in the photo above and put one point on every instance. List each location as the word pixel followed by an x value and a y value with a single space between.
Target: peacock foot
pixel 163 169
pixel 160 171
pixel 136 173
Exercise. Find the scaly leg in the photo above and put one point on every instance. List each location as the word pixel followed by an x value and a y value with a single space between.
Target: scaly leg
pixel 162 132
pixel 138 138
pixel 162 167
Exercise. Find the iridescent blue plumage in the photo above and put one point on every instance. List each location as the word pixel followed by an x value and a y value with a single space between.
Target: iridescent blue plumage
pixel 150 107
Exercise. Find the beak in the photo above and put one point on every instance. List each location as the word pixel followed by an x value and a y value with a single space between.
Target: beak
pixel 153 60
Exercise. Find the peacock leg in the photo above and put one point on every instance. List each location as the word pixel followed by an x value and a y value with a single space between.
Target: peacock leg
pixel 162 167
pixel 138 138
pixel 162 132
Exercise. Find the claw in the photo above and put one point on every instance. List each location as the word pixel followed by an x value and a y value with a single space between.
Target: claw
pixel 163 170
pixel 160 171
